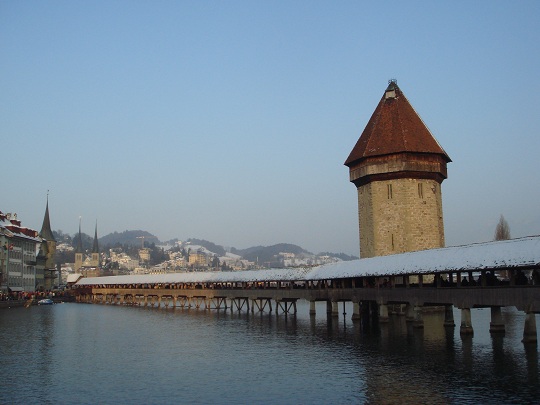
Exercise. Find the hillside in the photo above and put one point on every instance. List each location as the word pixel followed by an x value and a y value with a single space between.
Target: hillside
pixel 132 238
pixel 257 254
pixel 269 254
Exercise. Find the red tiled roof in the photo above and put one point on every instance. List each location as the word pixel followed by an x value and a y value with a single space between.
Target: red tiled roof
pixel 394 127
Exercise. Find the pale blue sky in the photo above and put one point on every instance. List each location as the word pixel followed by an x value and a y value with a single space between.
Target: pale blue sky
pixel 230 120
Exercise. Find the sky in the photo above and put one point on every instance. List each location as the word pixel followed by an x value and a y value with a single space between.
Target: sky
pixel 231 121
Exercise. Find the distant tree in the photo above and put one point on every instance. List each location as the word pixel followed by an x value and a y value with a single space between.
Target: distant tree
pixel 157 255
pixel 502 231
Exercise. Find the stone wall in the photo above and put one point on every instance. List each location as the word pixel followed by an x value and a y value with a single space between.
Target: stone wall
pixel 400 215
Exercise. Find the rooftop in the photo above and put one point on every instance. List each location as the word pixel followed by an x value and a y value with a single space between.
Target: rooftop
pixel 394 127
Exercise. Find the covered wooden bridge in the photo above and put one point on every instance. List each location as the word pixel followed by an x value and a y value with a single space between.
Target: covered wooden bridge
pixel 493 274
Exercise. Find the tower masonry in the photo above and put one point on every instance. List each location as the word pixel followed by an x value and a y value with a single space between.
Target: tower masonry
pixel 398 167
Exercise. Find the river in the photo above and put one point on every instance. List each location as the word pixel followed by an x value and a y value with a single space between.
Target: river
pixel 90 354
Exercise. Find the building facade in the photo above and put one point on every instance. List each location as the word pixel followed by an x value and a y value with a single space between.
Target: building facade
pixel 398 167
pixel 27 258
pixel 19 247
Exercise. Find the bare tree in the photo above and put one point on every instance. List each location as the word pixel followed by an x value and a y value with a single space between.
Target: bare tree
pixel 502 231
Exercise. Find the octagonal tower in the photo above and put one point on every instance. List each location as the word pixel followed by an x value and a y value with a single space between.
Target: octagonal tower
pixel 398 166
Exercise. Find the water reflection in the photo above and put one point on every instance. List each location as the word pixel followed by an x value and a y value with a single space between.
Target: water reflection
pixel 143 355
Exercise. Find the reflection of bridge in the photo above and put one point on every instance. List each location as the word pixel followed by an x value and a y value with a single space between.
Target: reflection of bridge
pixel 494 275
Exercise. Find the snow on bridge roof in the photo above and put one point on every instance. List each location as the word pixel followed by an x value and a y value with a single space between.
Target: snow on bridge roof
pixel 513 253
pixel 523 252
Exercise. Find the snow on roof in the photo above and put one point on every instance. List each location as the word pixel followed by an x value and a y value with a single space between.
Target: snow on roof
pixel 202 277
pixel 523 252
pixel 72 278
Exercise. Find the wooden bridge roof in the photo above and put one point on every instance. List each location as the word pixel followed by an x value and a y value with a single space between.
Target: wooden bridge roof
pixel 521 253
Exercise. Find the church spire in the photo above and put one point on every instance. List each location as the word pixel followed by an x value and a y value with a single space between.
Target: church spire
pixel 46 232
pixel 79 240
pixel 95 247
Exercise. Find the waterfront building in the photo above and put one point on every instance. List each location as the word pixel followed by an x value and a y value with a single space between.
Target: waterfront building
pixel 19 246
pixel 398 166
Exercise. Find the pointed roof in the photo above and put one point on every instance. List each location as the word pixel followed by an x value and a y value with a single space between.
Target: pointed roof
pixel 95 247
pixel 46 232
pixel 79 248
pixel 394 127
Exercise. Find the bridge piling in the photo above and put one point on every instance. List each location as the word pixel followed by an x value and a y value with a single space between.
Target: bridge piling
pixel 328 308
pixel 449 316
pixel 383 313
pixel 312 310
pixel 335 309
pixel 529 330
pixel 496 325
pixel 285 305
pixel 466 327
pixel 356 311
pixel 418 321
pixel 409 313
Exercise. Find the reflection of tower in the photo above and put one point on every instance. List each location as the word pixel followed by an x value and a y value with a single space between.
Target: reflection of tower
pixel 79 250
pixel 398 167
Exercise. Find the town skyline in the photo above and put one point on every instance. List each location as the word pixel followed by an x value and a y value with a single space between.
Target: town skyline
pixel 231 123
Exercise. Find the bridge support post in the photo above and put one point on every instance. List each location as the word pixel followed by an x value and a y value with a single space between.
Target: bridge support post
pixel 383 313
pixel 328 308
pixel 496 325
pixel 529 331
pixel 286 305
pixel 449 316
pixel 409 313
pixel 356 312
pixel 145 300
pixel 335 309
pixel 312 310
pixel 466 322
pixel 418 321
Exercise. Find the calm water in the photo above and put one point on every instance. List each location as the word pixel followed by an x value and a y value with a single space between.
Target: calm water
pixel 78 353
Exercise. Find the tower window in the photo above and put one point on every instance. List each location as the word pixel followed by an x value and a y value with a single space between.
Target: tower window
pixel 420 190
pixel 389 186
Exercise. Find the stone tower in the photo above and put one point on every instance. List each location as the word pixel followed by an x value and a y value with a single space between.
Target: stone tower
pixel 398 167
pixel 47 251
pixel 46 233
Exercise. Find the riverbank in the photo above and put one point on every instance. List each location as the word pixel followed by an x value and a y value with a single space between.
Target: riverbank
pixel 21 303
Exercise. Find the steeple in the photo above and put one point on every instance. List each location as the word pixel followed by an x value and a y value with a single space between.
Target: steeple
pixel 95 247
pixel 79 248
pixel 46 232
